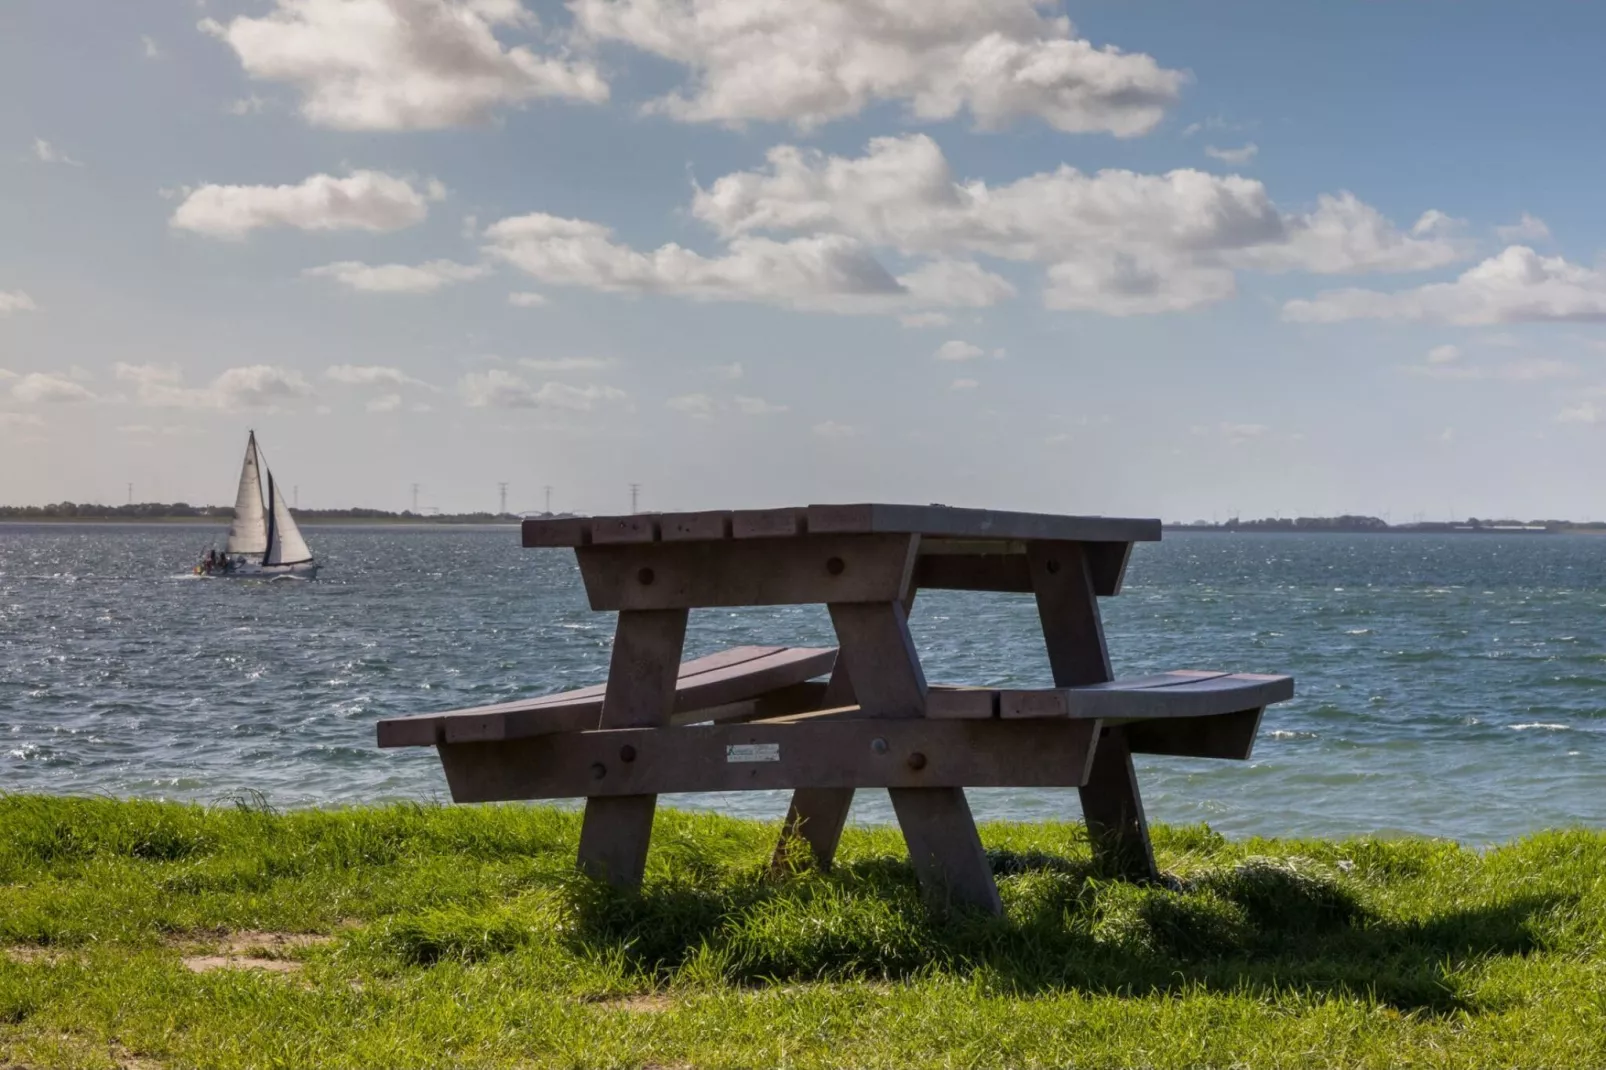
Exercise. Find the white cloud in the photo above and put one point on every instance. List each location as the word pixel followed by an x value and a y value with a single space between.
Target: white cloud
pixel 251 386
pixel 824 272
pixel 363 200
pixel 40 387
pixel 749 406
pixel 1515 286
pixel 45 152
pixel 697 406
pixel 565 364
pixel 956 349
pixel 371 375
pixel 251 105
pixel 1238 156
pixel 832 429
pixel 730 371
pixel 527 300
pixel 403 64
pixel 398 278
pixel 149 46
pixel 1585 412
pixel 20 419
pixel 16 301
pixel 1115 241
pixel 384 403
pixel 1528 228
pixel 1524 370
pixel 963 384
pixel 504 390
pixel 1443 354
pixel 811 61
pixel 925 319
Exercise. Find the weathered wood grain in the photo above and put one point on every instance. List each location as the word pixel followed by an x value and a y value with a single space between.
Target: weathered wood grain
pixel 642 670
pixel 730 676
pixel 804 570
pixel 865 518
pixel 1227 735
pixel 945 847
pixel 828 753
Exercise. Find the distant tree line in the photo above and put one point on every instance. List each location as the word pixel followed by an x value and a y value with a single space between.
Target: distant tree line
pixel 1353 524
pixel 186 511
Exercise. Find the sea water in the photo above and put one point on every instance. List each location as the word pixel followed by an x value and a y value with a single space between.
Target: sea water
pixel 1450 686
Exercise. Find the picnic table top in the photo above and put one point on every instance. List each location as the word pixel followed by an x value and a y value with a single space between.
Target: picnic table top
pixel 935 521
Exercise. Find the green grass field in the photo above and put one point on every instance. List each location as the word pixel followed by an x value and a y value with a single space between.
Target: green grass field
pixel 149 935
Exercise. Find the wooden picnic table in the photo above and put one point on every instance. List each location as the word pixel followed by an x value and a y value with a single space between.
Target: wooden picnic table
pixel 876 722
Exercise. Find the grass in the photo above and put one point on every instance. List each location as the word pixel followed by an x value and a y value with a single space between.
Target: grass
pixel 459 937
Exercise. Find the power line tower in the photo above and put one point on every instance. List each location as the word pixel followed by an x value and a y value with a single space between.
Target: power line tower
pixel 502 489
pixel 635 493
pixel 548 490
pixel 415 497
pixel 131 494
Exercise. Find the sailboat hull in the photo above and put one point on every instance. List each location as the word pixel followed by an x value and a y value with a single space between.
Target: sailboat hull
pixel 253 570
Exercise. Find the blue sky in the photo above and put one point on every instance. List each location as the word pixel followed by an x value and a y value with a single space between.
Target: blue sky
pixel 1268 258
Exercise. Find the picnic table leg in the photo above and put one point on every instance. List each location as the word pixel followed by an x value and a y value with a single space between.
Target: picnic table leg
pixel 936 822
pixel 1078 655
pixel 647 645
pixel 817 815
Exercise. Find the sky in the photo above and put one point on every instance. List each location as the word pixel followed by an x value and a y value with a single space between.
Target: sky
pixel 1164 259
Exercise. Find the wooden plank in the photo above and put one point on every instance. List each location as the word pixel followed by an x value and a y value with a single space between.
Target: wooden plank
pixel 1226 735
pixel 819 753
pixel 941 521
pixel 815 817
pixel 767 523
pixel 645 663
pixel 638 527
pixel 945 847
pixel 804 697
pixel 961 703
pixel 1107 561
pixel 880 657
pixel 818 815
pixel 1204 697
pixel 556 531
pixel 1116 827
pixel 569 711
pixel 804 570
pixel 684 527
pixel 1074 634
pixel 973 572
pixel 869 518
pixel 1045 702
pixel 1069 611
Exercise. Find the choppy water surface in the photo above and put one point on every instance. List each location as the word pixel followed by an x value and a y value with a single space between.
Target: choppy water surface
pixel 1451 686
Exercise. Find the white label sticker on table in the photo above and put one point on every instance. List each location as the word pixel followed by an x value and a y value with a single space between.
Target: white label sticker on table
pixel 752 752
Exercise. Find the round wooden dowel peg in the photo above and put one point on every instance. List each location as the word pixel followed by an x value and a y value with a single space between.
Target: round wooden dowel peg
pixel 627 753
pixel 836 566
pixel 1052 566
pixel 917 761
pixel 878 745
pixel 645 577
pixel 598 770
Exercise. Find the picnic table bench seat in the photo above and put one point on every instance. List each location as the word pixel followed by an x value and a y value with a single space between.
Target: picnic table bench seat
pixel 740 683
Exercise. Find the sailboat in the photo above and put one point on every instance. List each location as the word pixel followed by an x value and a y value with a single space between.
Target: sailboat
pixel 264 541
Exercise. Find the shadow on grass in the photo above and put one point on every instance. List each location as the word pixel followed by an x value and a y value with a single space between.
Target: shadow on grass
pixel 1269 926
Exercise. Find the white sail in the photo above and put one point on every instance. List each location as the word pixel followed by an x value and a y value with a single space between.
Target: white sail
pixel 249 532
pixel 285 544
